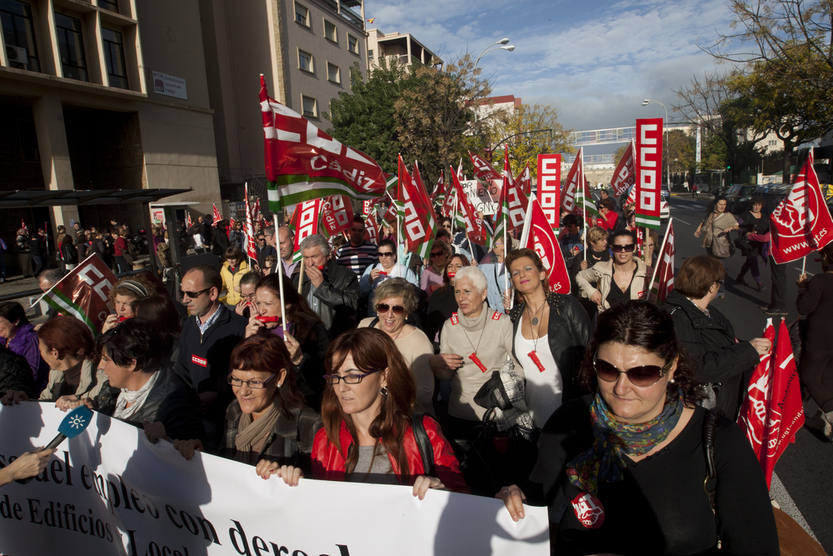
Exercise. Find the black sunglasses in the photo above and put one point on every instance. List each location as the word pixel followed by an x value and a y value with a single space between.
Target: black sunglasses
pixel 642 376
pixel 619 248
pixel 385 253
pixel 384 308
pixel 437 253
pixel 194 295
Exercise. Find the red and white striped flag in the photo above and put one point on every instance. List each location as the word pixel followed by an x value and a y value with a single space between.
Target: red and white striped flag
pixel 251 252
pixel 305 222
pixel 772 412
pixel 662 281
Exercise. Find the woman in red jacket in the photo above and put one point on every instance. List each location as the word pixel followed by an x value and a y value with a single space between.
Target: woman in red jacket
pixel 368 433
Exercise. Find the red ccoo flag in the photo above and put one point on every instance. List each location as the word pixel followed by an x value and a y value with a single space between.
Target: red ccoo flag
pixel 662 282
pixel 623 175
pixel 217 216
pixel 772 412
pixel 801 223
pixel 538 235
pixel 571 196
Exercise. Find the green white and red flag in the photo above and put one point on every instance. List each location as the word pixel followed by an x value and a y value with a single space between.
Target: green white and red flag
pixel 336 214
pixel 438 195
pixel 485 172
pixel 305 222
pixel 623 175
pixel 648 171
pixel 417 224
pixel 303 162
pixel 475 230
pixel 425 200
pixel 83 293
pixel 573 190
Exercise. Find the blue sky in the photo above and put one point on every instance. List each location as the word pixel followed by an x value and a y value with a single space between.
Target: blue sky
pixel 593 61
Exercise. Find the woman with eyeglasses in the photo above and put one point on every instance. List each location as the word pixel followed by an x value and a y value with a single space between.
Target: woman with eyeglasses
pixel 613 282
pixel 393 301
pixel 370 434
pixel 721 363
pixel 622 470
pixel 387 267
pixel 306 337
pixel 267 421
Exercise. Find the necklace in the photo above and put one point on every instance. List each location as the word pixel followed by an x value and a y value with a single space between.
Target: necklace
pixel 534 319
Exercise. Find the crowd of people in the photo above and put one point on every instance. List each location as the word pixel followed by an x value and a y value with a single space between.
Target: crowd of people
pixel 462 372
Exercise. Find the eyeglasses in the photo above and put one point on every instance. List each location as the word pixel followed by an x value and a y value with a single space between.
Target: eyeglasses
pixel 194 295
pixel 437 253
pixel 642 376
pixel 384 308
pixel 385 253
pixel 619 248
pixel 252 383
pixel 353 376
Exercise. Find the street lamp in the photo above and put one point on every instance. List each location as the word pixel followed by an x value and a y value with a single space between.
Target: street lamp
pixel 503 44
pixel 646 102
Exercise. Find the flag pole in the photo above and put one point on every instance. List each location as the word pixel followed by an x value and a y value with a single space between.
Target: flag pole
pixel 803 264
pixel 662 249
pixel 280 279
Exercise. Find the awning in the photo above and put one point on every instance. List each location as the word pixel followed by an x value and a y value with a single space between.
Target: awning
pixel 52 198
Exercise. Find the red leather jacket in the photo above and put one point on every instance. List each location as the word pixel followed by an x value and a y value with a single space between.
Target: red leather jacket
pixel 328 462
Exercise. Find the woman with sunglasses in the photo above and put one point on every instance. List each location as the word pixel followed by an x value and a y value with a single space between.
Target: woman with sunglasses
pixel 722 364
pixel 613 282
pixel 387 267
pixel 623 469
pixel 393 301
pixel 368 433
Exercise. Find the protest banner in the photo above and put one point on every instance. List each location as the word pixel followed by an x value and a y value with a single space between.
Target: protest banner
pixel 648 165
pixel 549 187
pixel 109 491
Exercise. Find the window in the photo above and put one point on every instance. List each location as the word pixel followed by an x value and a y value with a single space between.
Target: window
pixel 330 31
pixel 71 46
pixel 114 57
pixel 306 61
pixel 369 54
pixel 112 5
pixel 333 73
pixel 310 107
pixel 301 14
pixel 352 44
pixel 19 35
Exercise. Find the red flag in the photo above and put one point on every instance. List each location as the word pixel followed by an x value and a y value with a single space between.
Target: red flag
pixel 549 187
pixel 372 228
pixel 251 252
pixel 570 193
pixel 303 162
pixel 425 201
pixel 83 293
pixel 525 181
pixel 188 222
pixel 516 200
pixel 623 175
pixel 217 216
pixel 801 223
pixel 337 213
pixel 648 166
pixel 305 221
pixel 538 236
pixel 772 412
pixel 439 188
pixel 483 170
pixel 475 229
pixel 662 281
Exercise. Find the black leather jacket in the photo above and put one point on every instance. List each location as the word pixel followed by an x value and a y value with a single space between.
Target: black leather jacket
pixel 568 334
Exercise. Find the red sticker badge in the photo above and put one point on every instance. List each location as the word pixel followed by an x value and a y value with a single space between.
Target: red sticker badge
pixel 589 510
pixel 197 360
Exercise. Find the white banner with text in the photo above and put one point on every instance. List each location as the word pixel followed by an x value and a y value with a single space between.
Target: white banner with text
pixel 109 491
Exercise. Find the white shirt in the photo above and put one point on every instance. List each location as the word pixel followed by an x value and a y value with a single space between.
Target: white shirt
pixel 543 388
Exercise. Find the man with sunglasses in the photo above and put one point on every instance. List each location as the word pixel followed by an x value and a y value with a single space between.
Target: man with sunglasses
pixel 209 333
pixel 613 282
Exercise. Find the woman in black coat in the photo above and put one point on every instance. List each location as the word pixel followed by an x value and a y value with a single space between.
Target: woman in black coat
pixel 722 364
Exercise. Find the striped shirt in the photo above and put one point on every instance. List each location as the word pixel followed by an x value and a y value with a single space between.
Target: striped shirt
pixel 358 258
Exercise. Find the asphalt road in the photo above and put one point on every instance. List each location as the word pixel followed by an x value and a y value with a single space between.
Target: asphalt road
pixel 804 470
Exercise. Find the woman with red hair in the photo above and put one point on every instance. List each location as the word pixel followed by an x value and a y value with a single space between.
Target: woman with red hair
pixel 370 433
